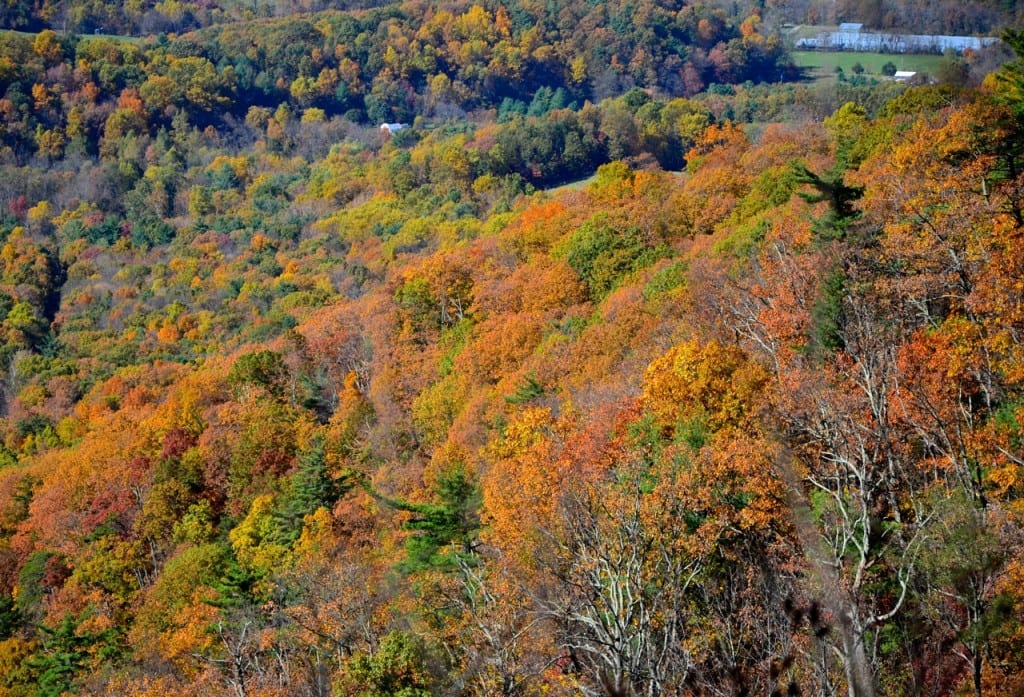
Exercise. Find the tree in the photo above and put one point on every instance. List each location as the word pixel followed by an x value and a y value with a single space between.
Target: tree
pixel 401 666
pixel 840 197
pixel 445 532
pixel 623 618
pixel 309 489
pixel 718 179
pixel 958 581
pixel 259 369
pixel 602 255
pixel 66 651
pixel 860 513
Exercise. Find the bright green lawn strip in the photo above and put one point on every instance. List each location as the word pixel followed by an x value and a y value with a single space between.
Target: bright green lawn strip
pixel 823 63
pixel 577 185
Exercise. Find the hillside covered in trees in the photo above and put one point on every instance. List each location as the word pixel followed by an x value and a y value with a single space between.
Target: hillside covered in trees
pixel 633 366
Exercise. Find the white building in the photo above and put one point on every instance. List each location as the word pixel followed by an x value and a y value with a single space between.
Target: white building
pixel 850 37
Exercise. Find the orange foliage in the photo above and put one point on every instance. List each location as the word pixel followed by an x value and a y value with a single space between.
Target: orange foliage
pixel 537 228
pixel 717 177
pixel 522 488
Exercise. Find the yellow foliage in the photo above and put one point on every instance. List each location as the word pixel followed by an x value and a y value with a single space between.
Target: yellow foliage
pixel 252 539
pixel 40 212
pixel 317 535
pixel 709 382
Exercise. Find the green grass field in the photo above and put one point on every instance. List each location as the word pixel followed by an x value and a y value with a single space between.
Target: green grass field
pixel 572 186
pixel 822 64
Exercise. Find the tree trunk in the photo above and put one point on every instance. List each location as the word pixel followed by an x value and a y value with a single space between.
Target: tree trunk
pixel 859 679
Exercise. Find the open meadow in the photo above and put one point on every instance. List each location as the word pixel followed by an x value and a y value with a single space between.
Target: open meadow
pixel 822 64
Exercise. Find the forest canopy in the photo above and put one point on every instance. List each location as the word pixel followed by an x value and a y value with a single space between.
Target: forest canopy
pixel 633 364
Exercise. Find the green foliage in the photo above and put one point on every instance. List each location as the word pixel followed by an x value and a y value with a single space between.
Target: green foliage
pixel 402 666
pixel 529 389
pixel 840 197
pixel 744 239
pixel 919 100
pixel 261 369
pixel 436 407
pixel 443 533
pixel 647 441
pixel 563 147
pixel 1012 74
pixel 602 254
pixel 67 651
pixel 453 339
pixel 695 433
pixel 42 572
pixel 111 564
pixel 953 70
pixel 208 565
pixel 416 298
pixel 10 618
pixel 311 487
pixel 446 531
pixel 666 280
pixel 197 525
pixel 238 585
pixel 772 188
pixel 827 312
pixel 1006 421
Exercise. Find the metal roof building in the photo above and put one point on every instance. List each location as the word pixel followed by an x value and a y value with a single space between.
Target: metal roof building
pixel 857 40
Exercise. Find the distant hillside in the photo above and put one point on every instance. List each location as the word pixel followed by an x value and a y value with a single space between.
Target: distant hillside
pixel 71 93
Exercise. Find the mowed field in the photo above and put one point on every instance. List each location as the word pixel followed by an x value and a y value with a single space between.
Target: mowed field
pixel 822 64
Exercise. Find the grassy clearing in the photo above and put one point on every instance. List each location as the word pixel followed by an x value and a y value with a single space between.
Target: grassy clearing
pixel 822 64
pixel 577 185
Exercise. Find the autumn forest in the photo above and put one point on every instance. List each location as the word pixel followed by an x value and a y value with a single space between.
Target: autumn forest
pixel 631 360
